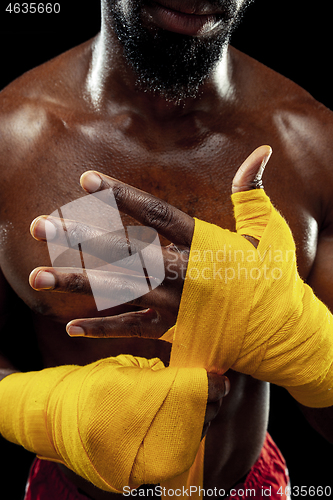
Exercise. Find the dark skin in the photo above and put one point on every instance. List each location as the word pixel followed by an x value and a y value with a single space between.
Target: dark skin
pixel 187 156
pixel 158 309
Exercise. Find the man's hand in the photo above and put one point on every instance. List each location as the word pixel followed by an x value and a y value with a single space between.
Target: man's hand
pixel 157 309
pixel 154 312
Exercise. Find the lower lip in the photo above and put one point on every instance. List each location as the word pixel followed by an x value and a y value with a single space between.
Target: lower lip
pixel 178 22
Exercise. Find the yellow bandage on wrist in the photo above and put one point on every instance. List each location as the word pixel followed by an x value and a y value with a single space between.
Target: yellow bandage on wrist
pixel 127 421
pixel 117 422
pixel 248 309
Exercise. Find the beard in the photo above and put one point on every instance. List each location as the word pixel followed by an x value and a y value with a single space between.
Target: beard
pixel 170 64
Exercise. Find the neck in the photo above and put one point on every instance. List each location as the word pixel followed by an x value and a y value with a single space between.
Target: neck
pixel 111 80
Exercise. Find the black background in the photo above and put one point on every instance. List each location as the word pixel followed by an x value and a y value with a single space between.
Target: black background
pixel 294 38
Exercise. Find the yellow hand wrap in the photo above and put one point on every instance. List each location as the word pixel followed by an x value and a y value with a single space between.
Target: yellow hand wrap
pixel 117 422
pixel 249 310
pixel 127 421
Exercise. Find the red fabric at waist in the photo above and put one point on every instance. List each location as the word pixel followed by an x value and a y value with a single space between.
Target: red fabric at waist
pixel 268 478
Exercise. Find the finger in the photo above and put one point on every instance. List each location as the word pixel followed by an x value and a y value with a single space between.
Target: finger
pixel 143 324
pixel 249 174
pixel 108 289
pixel 218 387
pixel 150 211
pixel 60 280
pixel 111 247
pixel 64 232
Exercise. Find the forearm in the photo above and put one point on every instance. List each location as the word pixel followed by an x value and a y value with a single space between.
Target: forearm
pixel 125 411
pixel 249 310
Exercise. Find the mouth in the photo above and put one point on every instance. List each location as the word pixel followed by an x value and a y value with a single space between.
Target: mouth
pixel 182 18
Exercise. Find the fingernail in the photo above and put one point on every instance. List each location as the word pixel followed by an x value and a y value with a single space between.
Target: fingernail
pixel 43 229
pixel 91 182
pixel 75 331
pixel 226 386
pixel 44 281
pixel 263 165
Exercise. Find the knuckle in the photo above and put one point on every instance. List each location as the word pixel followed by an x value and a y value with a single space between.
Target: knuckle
pixel 76 233
pixel 127 291
pixel 100 329
pixel 158 215
pixel 136 329
pixel 114 248
pixel 120 192
pixel 76 283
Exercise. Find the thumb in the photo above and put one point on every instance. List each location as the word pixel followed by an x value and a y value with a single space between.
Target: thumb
pixel 249 174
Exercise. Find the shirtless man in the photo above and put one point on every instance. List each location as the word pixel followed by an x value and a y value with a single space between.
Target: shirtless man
pixel 178 130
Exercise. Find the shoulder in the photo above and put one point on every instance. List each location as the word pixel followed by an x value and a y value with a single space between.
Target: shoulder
pixel 287 105
pixel 35 106
pixel 299 127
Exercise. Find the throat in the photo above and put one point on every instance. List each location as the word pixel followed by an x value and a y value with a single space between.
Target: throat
pixel 113 80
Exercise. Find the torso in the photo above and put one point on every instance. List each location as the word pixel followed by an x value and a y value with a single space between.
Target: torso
pixel 59 141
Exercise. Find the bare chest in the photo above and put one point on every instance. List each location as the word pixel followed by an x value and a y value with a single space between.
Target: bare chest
pixel 196 180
